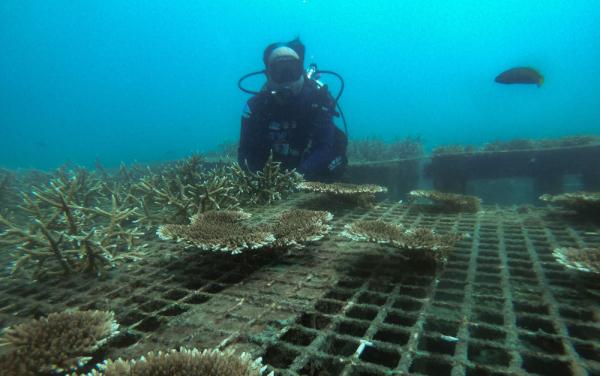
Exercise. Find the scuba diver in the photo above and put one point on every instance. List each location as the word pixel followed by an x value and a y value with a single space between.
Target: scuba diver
pixel 292 117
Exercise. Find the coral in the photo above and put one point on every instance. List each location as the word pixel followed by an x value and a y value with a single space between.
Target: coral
pixel 406 148
pixel 568 141
pixel 265 186
pixel 512 145
pixel 374 231
pixel 225 231
pixel 186 188
pixel 222 231
pixel 60 342
pixel 185 362
pixel 182 190
pixel 8 192
pixel 366 150
pixel 452 149
pixel 520 144
pixel 225 150
pixel 372 150
pixel 358 194
pixel 74 225
pixel 297 226
pixel 432 247
pixel 449 202
pixel 582 259
pixel 582 202
pixel 341 188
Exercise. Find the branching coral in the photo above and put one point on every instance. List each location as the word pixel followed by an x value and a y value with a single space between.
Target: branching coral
pixel 222 231
pixel 185 362
pixel 295 227
pixel 582 202
pixel 60 342
pixel 264 186
pixel 74 227
pixel 449 202
pixel 179 191
pixel 7 189
pixel 582 259
pixel 186 189
pixel 225 150
pixel 430 246
pixel 360 194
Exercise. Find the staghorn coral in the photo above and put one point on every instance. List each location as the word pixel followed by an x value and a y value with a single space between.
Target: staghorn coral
pixel 7 189
pixel 185 189
pixel 581 202
pixel 74 225
pixel 431 247
pixel 185 362
pixel 222 231
pixel 60 342
pixel 225 150
pixel 356 194
pixel 178 191
pixel 449 202
pixel 265 186
pixel 297 226
pixel 582 259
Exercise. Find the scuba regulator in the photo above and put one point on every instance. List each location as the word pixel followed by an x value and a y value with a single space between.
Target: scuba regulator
pixel 311 73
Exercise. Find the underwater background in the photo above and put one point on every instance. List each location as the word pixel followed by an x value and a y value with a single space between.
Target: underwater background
pixel 156 80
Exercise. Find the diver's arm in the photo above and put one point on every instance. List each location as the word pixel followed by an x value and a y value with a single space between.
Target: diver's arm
pixel 316 162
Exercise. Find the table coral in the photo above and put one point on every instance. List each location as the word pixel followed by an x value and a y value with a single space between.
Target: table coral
pixel 358 194
pixel 209 362
pixel 448 202
pixel 295 227
pixel 582 259
pixel 431 246
pixel 222 231
pixel 581 202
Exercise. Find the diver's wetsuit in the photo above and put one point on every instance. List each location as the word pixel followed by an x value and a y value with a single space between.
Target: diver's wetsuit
pixel 300 132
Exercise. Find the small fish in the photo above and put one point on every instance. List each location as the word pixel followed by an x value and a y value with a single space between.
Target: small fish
pixel 520 75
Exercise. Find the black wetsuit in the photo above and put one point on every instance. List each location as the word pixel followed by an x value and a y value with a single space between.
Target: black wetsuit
pixel 299 131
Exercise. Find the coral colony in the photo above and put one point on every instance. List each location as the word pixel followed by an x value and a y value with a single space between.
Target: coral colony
pixel 421 243
pixel 209 362
pixel 60 342
pixel 580 202
pixel 581 259
pixel 345 193
pixel 447 202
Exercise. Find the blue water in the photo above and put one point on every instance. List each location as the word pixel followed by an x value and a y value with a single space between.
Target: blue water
pixel 153 80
